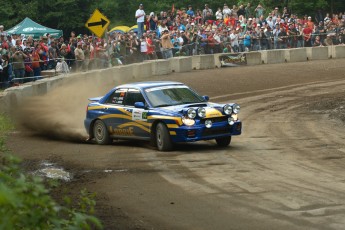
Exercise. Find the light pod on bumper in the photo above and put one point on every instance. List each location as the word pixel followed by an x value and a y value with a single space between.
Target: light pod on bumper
pixel 227 109
pixel 191 113
pixel 208 124
pixel 236 108
pixel 201 112
pixel 231 120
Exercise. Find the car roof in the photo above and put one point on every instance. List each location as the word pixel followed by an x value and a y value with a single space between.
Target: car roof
pixel 148 84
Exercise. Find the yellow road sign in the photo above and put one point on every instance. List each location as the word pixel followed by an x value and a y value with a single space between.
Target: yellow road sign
pixel 97 23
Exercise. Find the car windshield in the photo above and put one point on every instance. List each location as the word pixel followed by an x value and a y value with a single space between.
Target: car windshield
pixel 172 95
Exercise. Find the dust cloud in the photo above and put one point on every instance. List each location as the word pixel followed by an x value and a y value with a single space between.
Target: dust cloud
pixel 60 114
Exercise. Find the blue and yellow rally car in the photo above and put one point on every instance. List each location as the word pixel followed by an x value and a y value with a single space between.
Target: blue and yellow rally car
pixel 162 112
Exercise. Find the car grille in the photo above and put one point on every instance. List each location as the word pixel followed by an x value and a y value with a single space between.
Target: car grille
pixel 215 131
pixel 215 119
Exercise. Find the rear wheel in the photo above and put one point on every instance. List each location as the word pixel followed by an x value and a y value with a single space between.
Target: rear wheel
pixel 223 141
pixel 163 139
pixel 101 133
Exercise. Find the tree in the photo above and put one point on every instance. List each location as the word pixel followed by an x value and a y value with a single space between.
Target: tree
pixel 69 15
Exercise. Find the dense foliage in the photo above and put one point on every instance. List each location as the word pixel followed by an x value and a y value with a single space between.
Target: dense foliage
pixel 69 15
pixel 25 202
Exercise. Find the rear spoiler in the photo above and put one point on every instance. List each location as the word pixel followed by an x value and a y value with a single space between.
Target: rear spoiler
pixel 95 99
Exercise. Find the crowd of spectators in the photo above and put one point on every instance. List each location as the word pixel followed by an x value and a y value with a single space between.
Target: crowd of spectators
pixel 165 34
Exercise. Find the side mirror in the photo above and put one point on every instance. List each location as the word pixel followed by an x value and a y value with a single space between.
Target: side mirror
pixel 139 105
pixel 206 98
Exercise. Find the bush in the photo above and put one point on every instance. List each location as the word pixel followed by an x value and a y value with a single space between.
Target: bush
pixel 25 202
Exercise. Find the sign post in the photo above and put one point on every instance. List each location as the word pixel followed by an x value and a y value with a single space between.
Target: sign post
pixel 97 23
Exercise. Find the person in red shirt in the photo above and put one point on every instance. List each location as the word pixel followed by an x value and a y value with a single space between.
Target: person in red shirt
pixel 150 48
pixel 307 35
pixel 36 61
pixel 310 23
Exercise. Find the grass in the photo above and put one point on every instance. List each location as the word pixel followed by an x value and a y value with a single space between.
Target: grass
pixel 6 126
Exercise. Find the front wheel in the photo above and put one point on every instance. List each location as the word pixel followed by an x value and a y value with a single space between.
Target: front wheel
pixel 223 141
pixel 163 139
pixel 101 133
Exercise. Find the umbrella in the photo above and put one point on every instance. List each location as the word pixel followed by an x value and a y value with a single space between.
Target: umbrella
pixel 121 29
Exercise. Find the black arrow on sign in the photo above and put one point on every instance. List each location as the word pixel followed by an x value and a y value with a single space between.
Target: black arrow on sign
pixel 100 23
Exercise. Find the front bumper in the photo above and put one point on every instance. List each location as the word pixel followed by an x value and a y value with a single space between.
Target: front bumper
pixel 200 132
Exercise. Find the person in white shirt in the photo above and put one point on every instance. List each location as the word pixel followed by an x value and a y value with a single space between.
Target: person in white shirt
pixel 234 41
pixel 219 14
pixel 140 16
pixel 226 10
pixel 143 47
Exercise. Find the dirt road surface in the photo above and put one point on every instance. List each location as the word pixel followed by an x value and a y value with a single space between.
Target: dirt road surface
pixel 285 172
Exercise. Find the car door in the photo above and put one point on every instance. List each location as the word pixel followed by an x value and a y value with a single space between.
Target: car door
pixel 137 123
pixel 114 107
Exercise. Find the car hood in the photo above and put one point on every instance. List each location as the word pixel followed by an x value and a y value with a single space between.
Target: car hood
pixel 212 109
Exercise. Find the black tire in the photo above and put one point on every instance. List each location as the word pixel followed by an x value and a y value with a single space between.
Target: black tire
pixel 163 139
pixel 101 134
pixel 223 141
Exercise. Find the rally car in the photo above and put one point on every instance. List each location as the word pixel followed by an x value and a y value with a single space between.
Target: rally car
pixel 162 112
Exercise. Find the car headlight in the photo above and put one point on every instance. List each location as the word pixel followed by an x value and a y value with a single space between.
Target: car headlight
pixel 191 113
pixel 202 112
pixel 208 123
pixel 236 108
pixel 231 120
pixel 227 109
pixel 187 121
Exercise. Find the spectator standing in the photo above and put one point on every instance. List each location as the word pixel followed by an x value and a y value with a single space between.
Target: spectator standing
pixel 310 23
pixel 276 33
pixel 190 11
pixel 269 21
pixel 300 37
pixel 18 58
pixel 36 62
pixel 143 48
pixel 241 11
pixel 6 72
pixel 140 16
pixel 226 10
pixel 157 44
pixel 207 12
pixel 87 53
pixel 247 41
pixel 79 57
pixel 52 54
pixel 187 48
pixel 286 13
pixel 29 72
pixel 292 35
pixel 256 38
pixel 176 43
pixel 234 41
pixel 263 39
pixel 320 30
pixel 248 10
pixel 219 15
pixel 307 35
pixel 152 20
pixel 234 11
pixel 241 34
pixel 166 45
pixel 150 47
pixel 269 36
pixel 282 38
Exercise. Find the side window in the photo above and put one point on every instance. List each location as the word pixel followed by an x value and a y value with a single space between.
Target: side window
pixel 117 97
pixel 132 96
